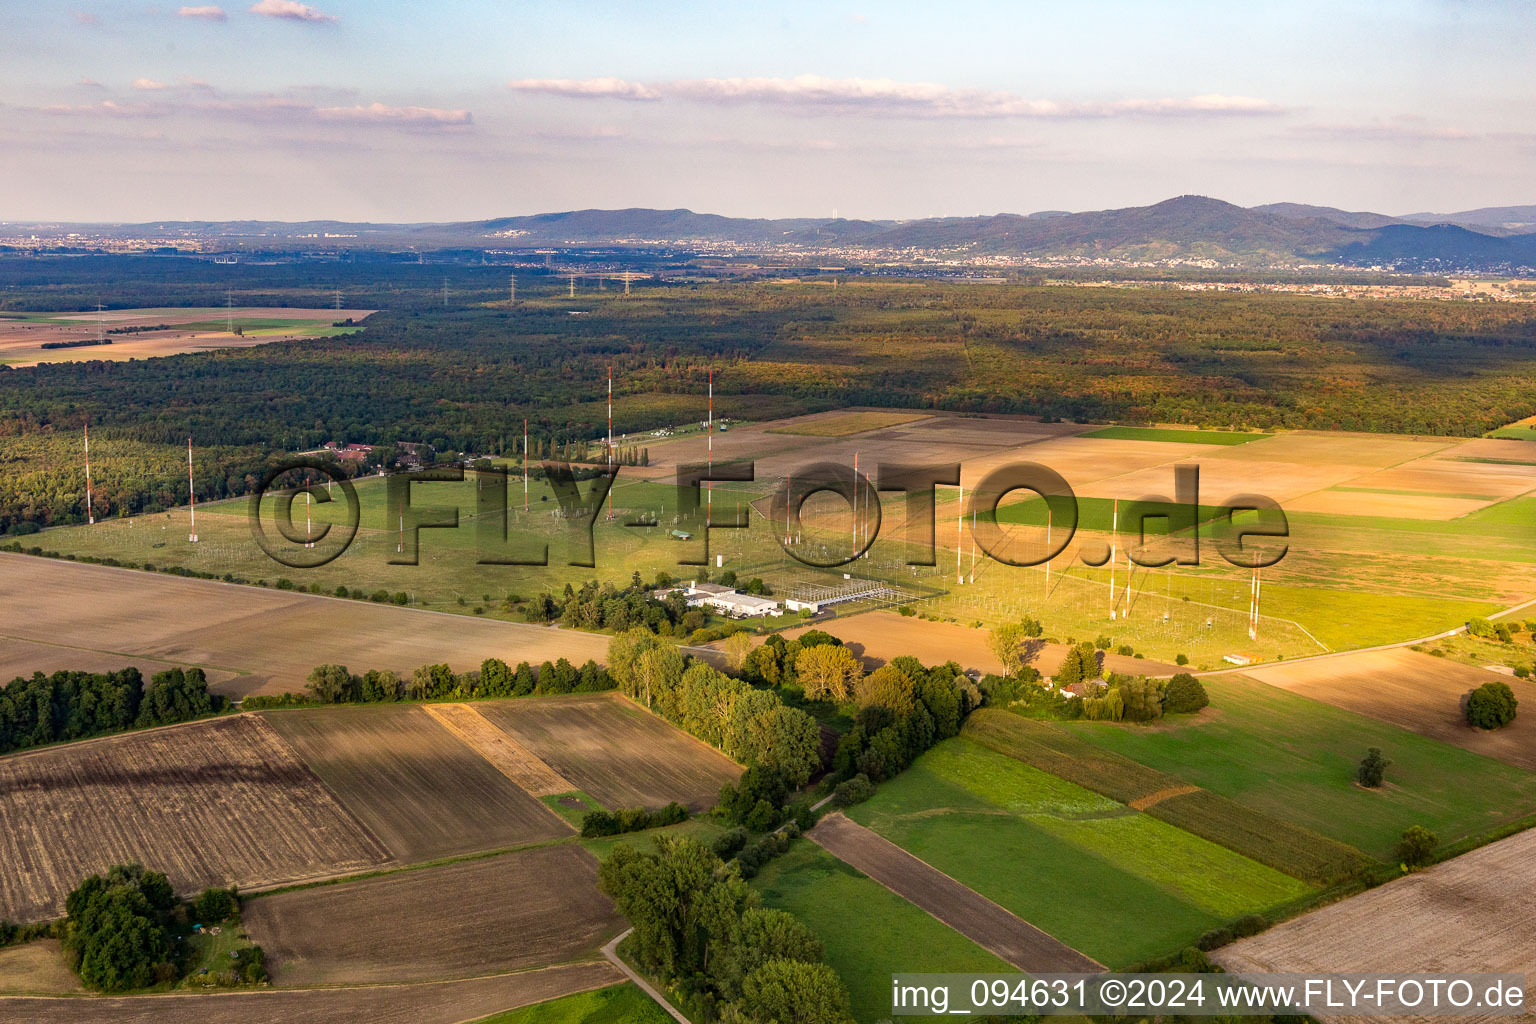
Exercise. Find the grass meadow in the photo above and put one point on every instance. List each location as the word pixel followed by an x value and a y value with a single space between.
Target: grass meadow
pixel 1114 883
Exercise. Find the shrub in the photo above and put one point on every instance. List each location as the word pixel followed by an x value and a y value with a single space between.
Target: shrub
pixel 1417 846
pixel 729 843
pixel 1373 768
pixel 1181 659
pixel 853 791
pixel 1481 628
pixel 1185 694
pixel 1491 706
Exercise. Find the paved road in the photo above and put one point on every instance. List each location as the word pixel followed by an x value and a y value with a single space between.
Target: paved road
pixel 611 951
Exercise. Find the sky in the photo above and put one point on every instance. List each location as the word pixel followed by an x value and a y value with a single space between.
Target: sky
pixel 377 110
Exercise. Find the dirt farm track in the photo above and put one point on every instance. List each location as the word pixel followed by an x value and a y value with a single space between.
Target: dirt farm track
pixel 65 615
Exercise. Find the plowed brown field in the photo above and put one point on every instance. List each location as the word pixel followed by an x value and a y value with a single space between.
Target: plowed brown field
pixel 620 754
pixel 209 803
pixel 421 789
pixel 504 913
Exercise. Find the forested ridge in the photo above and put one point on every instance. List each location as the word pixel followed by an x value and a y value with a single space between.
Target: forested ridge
pixel 462 377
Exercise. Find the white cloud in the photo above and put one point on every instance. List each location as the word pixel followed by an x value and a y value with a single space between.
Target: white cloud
pixel 89 83
pixel 205 13
pixel 108 108
pixel 411 117
pixel 816 93
pixel 289 11
pixel 148 85
pixel 587 88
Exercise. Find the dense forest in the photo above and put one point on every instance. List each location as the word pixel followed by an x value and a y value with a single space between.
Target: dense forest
pixel 461 375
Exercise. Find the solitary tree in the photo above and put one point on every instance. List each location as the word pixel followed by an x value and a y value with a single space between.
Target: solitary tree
pixel 1491 706
pixel 1372 769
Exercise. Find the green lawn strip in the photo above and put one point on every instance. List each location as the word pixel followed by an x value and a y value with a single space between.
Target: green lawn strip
pixel 617 1004
pixel 573 815
pixel 1222 437
pixel 1294 759
pixel 868 932
pixel 1100 514
pixel 1119 885
pixel 701 829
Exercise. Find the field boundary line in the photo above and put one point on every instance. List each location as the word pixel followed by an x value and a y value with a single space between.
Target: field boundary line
pixel 504 753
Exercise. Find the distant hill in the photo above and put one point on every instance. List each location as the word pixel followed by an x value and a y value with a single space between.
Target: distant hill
pixel 1510 218
pixel 1344 218
pixel 1183 228
pixel 1438 247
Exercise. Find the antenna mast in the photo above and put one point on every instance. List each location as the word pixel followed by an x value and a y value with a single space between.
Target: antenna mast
pixel 445 293
pixel 512 289
pixel 191 494
pixel 229 311
pixel 1114 537
pixel 525 464
pixel 709 429
pixel 610 438
pixel 90 503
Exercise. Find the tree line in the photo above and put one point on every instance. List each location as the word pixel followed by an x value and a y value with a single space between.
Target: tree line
pixel 70 705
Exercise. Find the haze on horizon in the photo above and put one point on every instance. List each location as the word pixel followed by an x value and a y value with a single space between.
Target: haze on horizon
pixel 387 111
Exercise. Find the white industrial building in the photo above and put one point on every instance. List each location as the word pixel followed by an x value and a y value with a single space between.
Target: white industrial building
pixel 725 600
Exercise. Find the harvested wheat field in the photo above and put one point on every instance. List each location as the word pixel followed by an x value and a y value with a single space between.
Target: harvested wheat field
pixel 966 911
pixel 479 917
pixel 36 968
pixel 209 803
pixel 1415 691
pixel 254 640
pixel 421 789
pixel 622 755
pixel 447 1002
pixel 1472 913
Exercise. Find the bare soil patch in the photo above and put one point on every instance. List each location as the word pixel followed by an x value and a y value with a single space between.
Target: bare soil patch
pixel 622 755
pixel 272 638
pixel 1416 691
pixel 520 910
pixel 963 909
pixel 1471 913
pixel 219 802
pixel 421 789
pixel 508 756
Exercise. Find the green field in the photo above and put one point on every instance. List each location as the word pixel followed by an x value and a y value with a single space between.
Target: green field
pixel 1223 437
pixel 1296 851
pixel 1294 759
pixel 1119 885
pixel 619 1004
pixel 869 932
